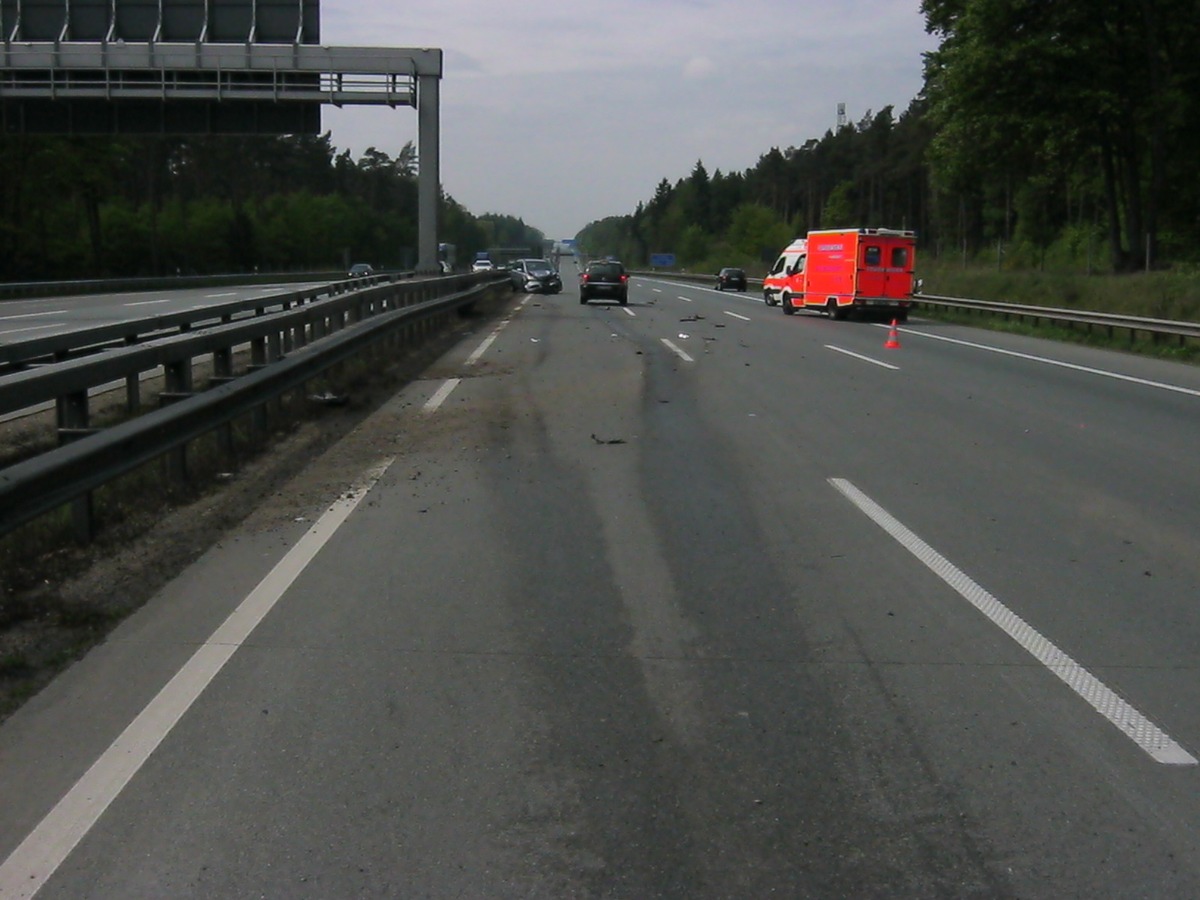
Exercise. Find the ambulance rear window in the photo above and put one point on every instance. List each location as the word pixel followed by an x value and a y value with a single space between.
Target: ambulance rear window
pixel 873 255
pixel 899 257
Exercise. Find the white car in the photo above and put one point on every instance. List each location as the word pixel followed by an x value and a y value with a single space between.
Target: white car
pixel 482 265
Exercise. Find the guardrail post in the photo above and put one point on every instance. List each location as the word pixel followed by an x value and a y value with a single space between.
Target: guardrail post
pixel 72 415
pixel 133 384
pixel 177 377
pixel 287 332
pixel 222 363
pixel 258 353
pixel 133 392
pixel 73 423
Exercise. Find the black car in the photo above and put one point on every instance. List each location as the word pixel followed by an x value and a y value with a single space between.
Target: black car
pixel 731 279
pixel 604 279
pixel 360 270
pixel 534 276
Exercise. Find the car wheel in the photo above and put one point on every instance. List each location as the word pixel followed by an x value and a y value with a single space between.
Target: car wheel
pixel 833 311
pixel 786 302
pixel 768 299
pixel 624 300
pixel 582 299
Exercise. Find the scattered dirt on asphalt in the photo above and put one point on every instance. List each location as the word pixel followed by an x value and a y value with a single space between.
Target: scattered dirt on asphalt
pixel 57 604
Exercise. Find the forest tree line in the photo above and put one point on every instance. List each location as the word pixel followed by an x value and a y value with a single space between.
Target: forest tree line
pixel 94 207
pixel 1059 134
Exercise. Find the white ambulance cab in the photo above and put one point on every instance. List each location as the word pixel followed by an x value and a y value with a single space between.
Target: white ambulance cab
pixel 787 275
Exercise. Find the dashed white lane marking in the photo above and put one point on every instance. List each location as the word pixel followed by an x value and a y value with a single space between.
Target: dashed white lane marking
pixel 677 351
pixel 873 362
pixel 41 853
pixel 32 328
pixel 147 302
pixel 440 395
pixel 490 339
pixel 736 315
pixel 226 294
pixel 629 312
pixel 656 290
pixel 487 342
pixel 1103 699
pixel 49 312
pixel 1192 392
pixel 685 299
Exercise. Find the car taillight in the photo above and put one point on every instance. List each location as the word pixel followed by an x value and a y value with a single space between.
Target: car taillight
pixel 585 276
pixel 624 278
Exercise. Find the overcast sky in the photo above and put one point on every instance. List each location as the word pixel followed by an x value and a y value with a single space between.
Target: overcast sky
pixel 565 112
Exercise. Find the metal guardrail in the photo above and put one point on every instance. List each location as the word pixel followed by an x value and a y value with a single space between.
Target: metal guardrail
pixel 1111 322
pixel 321 335
pixel 301 317
pixel 25 290
pixel 135 330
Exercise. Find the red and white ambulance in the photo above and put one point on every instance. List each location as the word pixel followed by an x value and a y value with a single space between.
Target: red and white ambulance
pixel 862 270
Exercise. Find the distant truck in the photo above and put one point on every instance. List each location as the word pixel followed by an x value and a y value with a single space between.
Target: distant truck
pixel 863 270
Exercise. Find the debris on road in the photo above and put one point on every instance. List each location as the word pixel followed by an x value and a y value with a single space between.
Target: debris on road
pixel 329 399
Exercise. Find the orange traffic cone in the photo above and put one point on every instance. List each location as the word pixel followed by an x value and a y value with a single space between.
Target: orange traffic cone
pixel 893 341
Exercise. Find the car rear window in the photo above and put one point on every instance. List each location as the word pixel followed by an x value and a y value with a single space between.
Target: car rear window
pixel 607 269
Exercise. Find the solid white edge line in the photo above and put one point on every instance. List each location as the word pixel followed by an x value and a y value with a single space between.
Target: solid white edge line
pixel 1055 362
pixel 440 395
pixel 38 857
pixel 873 362
pixel 737 316
pixel 676 350
pixel 1157 743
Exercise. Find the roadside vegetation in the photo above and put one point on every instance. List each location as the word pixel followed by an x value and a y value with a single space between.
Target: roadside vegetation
pixel 1050 158
pixel 101 207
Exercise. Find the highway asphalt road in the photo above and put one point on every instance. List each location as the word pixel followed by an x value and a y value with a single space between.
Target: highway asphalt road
pixel 22 320
pixel 681 599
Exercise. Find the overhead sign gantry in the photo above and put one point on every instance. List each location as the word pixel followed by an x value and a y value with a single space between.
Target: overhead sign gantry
pixel 206 67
